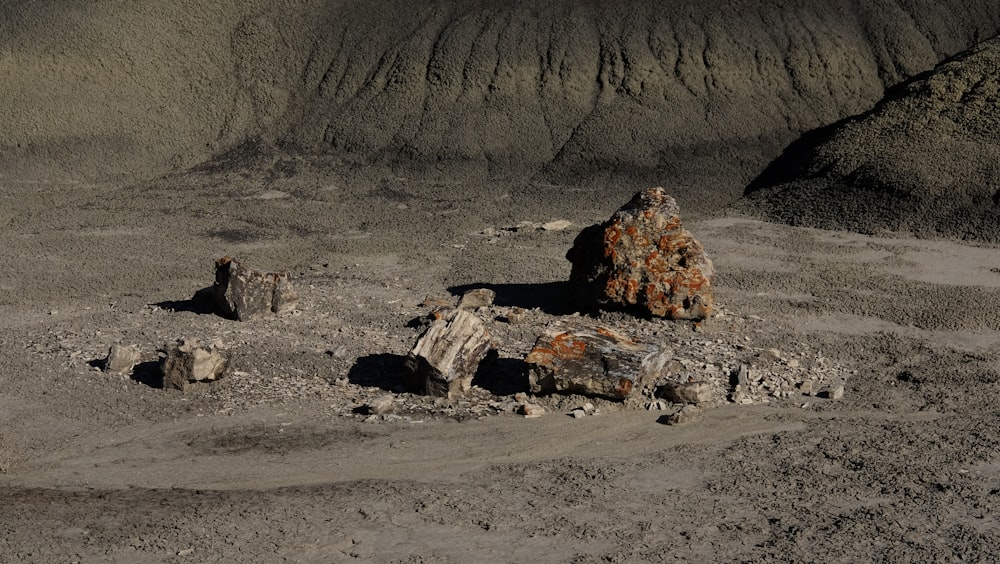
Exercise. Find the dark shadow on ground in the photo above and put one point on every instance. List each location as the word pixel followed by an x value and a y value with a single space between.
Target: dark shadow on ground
pixel 385 371
pixel 554 298
pixel 201 302
pixel 501 376
pixel 148 373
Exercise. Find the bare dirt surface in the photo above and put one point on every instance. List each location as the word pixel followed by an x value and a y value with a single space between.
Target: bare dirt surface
pixel 278 462
pixel 393 156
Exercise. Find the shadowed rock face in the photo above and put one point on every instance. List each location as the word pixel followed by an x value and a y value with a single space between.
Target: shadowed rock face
pixel 564 88
pixel 925 160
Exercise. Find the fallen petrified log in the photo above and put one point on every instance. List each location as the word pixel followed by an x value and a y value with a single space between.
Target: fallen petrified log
pixel 595 362
pixel 642 259
pixel 447 356
pixel 243 293
pixel 189 362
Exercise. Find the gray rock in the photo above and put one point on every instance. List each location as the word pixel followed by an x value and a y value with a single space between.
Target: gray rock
pixel 477 298
pixel 687 414
pixel 188 362
pixel 243 293
pixel 381 405
pixel 530 410
pixel 687 392
pixel 121 358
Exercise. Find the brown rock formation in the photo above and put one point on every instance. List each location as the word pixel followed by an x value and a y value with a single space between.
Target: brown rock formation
pixel 243 293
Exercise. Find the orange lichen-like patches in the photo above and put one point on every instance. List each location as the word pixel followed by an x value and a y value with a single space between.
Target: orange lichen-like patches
pixel 631 290
pixel 639 239
pixel 563 346
pixel 624 387
pixel 612 236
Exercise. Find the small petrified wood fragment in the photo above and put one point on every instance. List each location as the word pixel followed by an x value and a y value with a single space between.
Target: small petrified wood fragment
pixel 121 358
pixel 447 356
pixel 593 362
pixel 243 293
pixel 188 362
pixel 642 259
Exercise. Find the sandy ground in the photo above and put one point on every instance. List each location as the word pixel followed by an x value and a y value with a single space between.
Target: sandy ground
pixel 275 465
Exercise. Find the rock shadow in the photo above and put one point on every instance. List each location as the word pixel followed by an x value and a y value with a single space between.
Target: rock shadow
pixel 384 370
pixel 202 303
pixel 501 376
pixel 554 298
pixel 148 373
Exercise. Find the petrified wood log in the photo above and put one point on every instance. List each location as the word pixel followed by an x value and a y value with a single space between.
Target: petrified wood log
pixel 243 293
pixel 188 362
pixel 594 362
pixel 447 356
pixel 642 259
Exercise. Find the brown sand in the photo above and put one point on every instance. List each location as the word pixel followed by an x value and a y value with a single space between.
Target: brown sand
pixel 106 235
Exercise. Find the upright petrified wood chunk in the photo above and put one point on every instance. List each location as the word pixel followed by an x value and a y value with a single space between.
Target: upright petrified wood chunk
pixel 243 293
pixel 447 355
pixel 643 259
pixel 188 362
pixel 594 362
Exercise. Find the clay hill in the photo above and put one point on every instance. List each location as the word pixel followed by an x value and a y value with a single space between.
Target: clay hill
pixel 925 161
pixel 558 91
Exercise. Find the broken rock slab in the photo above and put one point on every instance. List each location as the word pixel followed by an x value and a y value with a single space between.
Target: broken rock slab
pixel 188 362
pixel 685 415
pixel 477 298
pixel 641 259
pixel 121 358
pixel 593 362
pixel 447 356
pixel 696 393
pixel 243 293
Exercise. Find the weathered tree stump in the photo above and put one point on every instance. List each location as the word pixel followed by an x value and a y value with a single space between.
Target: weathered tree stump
pixel 447 356
pixel 188 362
pixel 593 362
pixel 243 293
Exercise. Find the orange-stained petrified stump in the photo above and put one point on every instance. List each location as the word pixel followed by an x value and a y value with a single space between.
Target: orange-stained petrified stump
pixel 643 260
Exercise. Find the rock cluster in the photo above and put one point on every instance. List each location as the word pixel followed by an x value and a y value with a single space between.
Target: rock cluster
pixel 243 293
pixel 642 259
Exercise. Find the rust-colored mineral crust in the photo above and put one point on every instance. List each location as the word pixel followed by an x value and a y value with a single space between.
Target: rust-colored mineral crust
pixel 642 259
